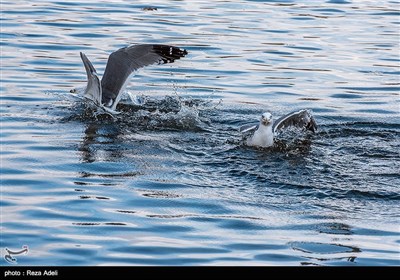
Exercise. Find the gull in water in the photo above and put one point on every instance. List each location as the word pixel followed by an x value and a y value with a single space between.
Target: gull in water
pixel 264 132
pixel 120 66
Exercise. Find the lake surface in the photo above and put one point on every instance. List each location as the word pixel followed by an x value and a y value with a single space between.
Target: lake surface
pixel 171 183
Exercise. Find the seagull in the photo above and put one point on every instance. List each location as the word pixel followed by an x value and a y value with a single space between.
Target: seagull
pixel 120 66
pixel 264 132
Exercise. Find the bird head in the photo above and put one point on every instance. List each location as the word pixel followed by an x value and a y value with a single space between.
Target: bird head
pixel 266 118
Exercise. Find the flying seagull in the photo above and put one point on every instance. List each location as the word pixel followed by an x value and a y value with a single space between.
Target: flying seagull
pixel 264 132
pixel 120 65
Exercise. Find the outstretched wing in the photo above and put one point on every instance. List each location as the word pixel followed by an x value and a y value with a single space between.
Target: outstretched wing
pixel 301 119
pixel 123 62
pixel 93 88
pixel 248 127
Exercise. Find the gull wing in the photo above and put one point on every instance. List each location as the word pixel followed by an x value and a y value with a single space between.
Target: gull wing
pixel 93 87
pixel 301 119
pixel 124 61
pixel 248 127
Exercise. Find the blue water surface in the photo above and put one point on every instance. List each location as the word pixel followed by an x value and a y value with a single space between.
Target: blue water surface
pixel 171 183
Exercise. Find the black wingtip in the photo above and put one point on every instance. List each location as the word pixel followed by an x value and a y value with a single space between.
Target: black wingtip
pixel 169 53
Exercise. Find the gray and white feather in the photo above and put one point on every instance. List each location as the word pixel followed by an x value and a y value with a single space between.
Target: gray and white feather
pixel 263 133
pixel 120 65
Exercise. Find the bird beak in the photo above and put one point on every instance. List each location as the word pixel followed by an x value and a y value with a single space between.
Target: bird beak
pixel 266 121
